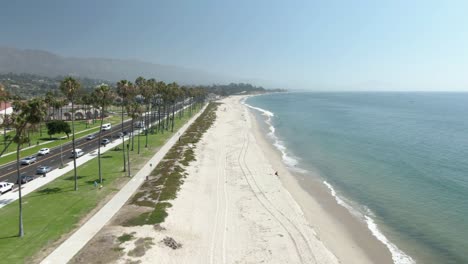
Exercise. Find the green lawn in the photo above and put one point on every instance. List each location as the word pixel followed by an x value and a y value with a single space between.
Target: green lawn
pixel 80 128
pixel 55 209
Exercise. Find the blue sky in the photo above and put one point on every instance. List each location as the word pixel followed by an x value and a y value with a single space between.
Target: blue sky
pixel 320 45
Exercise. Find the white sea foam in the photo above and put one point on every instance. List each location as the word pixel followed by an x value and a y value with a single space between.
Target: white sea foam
pixel 288 158
pixel 398 256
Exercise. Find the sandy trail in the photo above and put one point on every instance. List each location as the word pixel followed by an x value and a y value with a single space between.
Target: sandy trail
pixel 232 208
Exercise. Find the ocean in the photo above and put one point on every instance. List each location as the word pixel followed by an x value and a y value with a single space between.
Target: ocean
pixel 398 160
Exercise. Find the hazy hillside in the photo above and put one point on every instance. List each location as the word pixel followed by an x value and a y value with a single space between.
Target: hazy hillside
pixel 51 65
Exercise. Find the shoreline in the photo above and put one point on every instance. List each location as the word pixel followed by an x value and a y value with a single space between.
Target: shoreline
pixel 348 237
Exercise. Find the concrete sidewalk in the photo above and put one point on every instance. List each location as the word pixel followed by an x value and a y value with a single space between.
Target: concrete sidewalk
pixel 65 252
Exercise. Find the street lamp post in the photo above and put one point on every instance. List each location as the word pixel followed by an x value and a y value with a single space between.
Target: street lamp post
pixel 61 158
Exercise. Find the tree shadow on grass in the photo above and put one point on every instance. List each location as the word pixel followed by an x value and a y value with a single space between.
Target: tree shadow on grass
pixel 48 138
pixel 106 156
pixel 96 180
pixel 50 190
pixel 72 178
pixel 11 236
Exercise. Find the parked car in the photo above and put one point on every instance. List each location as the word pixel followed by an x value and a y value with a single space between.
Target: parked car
pixel 25 179
pixel 5 187
pixel 140 124
pixel 28 160
pixel 43 151
pixel 43 169
pixel 105 141
pixel 79 153
pixel 92 136
pixel 119 135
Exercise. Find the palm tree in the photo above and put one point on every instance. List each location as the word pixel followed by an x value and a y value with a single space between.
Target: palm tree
pixel 70 88
pixel 147 91
pixel 4 97
pixel 123 90
pixel 87 100
pixel 174 95
pixel 160 90
pixel 26 113
pixel 103 98
pixel 49 98
pixel 134 110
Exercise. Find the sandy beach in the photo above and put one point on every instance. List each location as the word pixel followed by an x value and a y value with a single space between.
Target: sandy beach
pixel 232 208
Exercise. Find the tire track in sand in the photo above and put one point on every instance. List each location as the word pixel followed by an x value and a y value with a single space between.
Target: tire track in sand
pixel 244 168
pixel 221 169
pixel 294 226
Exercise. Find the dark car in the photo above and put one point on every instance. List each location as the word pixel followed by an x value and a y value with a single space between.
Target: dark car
pixel 43 169
pixel 119 135
pixel 25 179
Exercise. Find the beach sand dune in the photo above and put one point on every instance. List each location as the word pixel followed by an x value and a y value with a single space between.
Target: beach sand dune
pixel 232 208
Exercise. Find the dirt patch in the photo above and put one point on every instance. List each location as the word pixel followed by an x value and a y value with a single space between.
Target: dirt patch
pixel 141 246
pixel 106 241
pixel 128 212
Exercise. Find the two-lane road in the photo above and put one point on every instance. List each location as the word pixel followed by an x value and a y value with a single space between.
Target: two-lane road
pixel 8 172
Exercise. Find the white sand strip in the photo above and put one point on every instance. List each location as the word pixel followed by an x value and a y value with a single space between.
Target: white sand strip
pixel 232 208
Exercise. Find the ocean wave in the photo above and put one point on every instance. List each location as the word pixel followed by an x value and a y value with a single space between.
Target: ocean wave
pixel 398 256
pixel 290 161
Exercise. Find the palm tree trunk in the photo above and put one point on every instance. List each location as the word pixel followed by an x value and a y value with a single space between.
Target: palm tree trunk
pixel 99 147
pixel 147 125
pixel 4 124
pixel 133 134
pixel 123 139
pixel 173 117
pixel 73 144
pixel 159 117
pixel 139 133
pixel 20 200
pixel 168 114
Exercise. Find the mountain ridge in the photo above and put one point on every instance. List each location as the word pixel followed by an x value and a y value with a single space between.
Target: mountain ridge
pixel 49 64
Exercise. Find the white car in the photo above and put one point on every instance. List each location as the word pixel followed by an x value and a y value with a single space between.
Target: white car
pixel 106 127
pixel 105 141
pixel 28 160
pixel 5 187
pixel 43 151
pixel 79 153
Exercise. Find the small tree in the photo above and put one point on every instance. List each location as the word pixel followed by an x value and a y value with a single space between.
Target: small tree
pixel 57 127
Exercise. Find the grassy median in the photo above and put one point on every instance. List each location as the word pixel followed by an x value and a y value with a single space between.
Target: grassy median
pixel 53 211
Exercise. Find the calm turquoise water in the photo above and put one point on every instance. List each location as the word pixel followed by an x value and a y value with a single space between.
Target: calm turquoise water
pixel 400 158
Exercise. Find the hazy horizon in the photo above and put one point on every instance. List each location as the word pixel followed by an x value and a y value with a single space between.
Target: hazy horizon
pixel 306 45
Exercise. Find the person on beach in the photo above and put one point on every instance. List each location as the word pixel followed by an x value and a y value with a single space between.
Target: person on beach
pixel 276 173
